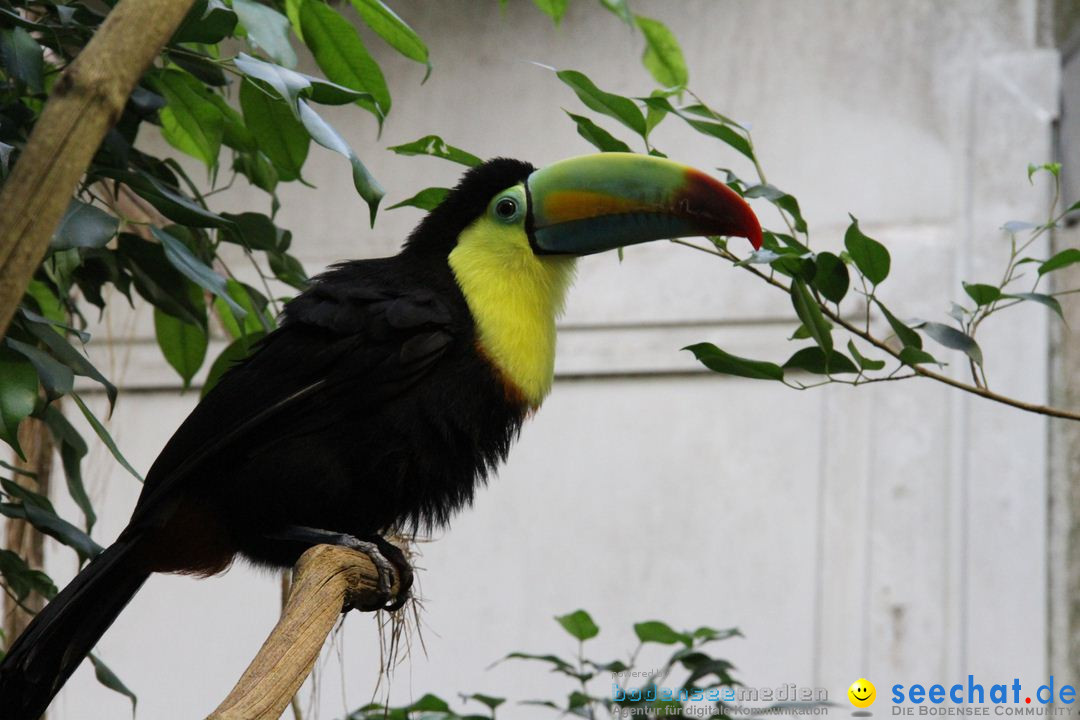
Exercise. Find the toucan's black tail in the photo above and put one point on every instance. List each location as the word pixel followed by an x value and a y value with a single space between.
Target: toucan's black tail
pixel 39 662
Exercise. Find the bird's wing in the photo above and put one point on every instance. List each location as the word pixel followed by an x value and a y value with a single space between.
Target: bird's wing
pixel 376 341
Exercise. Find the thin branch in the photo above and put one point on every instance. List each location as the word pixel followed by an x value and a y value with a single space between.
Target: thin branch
pixel 884 347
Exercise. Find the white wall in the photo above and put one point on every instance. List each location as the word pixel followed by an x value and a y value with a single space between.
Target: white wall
pixel 893 532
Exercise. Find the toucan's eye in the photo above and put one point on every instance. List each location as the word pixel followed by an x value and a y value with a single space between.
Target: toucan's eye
pixel 506 209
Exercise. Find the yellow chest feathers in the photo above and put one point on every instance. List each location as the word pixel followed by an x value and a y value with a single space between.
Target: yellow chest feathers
pixel 514 297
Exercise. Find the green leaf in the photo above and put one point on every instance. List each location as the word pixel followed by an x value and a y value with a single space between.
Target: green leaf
pixel 663 57
pixel 51 524
pixel 182 344
pixel 267 29
pixel 427 199
pixel 868 254
pixel 620 9
pixel 831 276
pixel 288 84
pixel 280 135
pixel 1060 260
pixel 395 31
pixel 194 269
pixel 614 106
pixel 950 337
pixel 21 579
pixel 253 302
pixel 73 449
pixel 18 395
pixel 322 133
pixel 914 356
pixel 597 136
pixel 157 280
pixel 813 359
pixel 1053 168
pixel 190 120
pixel 207 22
pixel 579 624
pixel 167 200
pixel 780 199
pixel 659 632
pixel 723 131
pixel 288 269
pixel 557 662
pixel 255 231
pixel 809 312
pixel 488 700
pixel 108 678
pixel 63 351
pixel 907 336
pixel 23 58
pixel 1047 300
pixel 981 293
pixel 719 361
pixel 430 703
pixel 554 9
pixel 864 362
pixel 234 353
pixel 105 437
pixel 57 379
pixel 84 225
pixel 436 147
pixel 341 54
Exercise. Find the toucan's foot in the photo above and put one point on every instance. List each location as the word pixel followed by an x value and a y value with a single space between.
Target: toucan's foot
pixel 390 561
pixel 387 558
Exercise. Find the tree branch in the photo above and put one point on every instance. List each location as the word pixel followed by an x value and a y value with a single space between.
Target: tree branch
pixel 884 347
pixel 329 580
pixel 86 101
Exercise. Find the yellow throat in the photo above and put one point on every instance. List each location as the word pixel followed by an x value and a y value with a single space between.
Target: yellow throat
pixel 514 297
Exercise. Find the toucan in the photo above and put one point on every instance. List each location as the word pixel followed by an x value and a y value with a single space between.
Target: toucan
pixel 391 390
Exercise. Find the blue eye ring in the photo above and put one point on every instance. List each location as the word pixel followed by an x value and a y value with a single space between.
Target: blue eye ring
pixel 507 209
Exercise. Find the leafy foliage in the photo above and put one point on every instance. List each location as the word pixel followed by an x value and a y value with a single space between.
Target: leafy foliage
pixel 682 684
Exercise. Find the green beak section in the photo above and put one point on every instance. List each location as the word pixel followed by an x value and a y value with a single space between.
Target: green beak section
pixel 593 203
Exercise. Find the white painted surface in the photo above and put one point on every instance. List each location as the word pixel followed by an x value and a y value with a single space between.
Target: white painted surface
pixel 892 532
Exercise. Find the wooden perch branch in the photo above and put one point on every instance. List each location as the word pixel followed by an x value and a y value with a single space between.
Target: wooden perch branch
pixel 86 101
pixel 329 579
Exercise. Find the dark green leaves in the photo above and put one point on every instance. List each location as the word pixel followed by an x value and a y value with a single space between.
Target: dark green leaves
pixel 341 54
pixel 719 361
pixel 598 136
pixel 18 394
pixel 982 294
pixel 1047 300
pixel 322 133
pixel 1062 259
pixel 865 363
pixel 207 22
pixel 809 312
pixel 659 632
pixel 906 336
pixel 663 57
pixel 868 254
pixel 23 58
pixel 618 107
pixel 391 28
pixel 84 225
pixel 950 337
pixel 194 269
pixel 266 29
pixel 190 121
pixel 814 360
pixel 831 276
pixel 436 147
pixel 426 199
pixel 276 129
pixel 579 624
pixel 182 344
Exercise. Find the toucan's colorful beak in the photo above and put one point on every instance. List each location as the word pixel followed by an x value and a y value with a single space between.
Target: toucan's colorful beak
pixel 593 203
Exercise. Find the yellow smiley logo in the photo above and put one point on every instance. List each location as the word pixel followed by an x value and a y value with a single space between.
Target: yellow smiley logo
pixel 862 693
